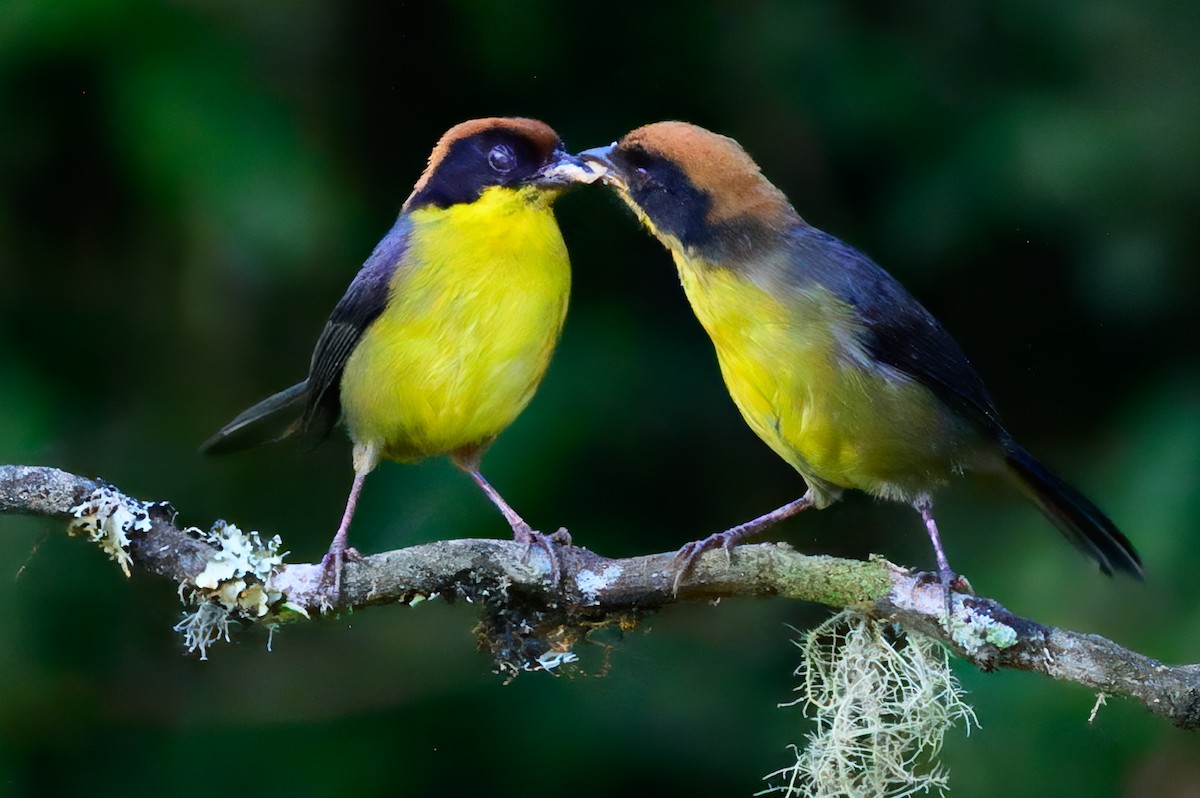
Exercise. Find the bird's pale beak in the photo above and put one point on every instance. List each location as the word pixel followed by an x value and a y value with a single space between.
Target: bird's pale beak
pixel 601 155
pixel 600 159
pixel 566 170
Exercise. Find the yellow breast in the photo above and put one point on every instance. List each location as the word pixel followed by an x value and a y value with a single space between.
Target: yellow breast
pixel 793 366
pixel 472 318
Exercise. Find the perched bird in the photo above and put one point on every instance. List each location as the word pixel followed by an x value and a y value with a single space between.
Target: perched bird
pixel 830 361
pixel 446 331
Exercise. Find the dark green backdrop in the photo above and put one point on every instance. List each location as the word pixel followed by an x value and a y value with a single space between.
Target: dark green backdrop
pixel 186 189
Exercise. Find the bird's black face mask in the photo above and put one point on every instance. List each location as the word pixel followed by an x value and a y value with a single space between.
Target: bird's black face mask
pixel 665 194
pixel 472 164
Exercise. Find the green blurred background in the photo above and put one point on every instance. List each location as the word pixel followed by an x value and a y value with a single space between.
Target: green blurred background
pixel 187 188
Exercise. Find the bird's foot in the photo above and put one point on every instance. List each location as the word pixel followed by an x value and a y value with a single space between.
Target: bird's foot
pixel 947 579
pixel 523 533
pixel 687 554
pixel 950 582
pixel 332 565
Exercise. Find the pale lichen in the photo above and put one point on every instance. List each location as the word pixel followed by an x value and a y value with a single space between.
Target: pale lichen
pixel 107 517
pixel 234 585
pixel 882 700
pixel 972 630
pixel 207 625
pixel 591 583
pixel 238 577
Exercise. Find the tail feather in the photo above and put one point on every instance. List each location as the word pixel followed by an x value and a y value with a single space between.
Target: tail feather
pixel 272 419
pixel 1081 521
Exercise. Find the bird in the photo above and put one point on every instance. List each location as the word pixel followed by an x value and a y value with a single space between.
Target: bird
pixel 445 333
pixel 831 362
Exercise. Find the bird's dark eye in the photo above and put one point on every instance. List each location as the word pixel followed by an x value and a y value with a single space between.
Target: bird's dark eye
pixel 501 159
pixel 639 161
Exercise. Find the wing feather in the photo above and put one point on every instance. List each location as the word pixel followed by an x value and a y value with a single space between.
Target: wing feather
pixel 897 330
pixel 362 303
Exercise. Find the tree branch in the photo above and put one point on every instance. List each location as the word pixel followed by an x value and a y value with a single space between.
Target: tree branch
pixel 527 623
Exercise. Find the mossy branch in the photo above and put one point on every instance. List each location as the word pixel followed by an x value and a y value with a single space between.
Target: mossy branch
pixel 528 624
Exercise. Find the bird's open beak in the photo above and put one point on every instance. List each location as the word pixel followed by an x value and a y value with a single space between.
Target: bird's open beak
pixel 566 170
pixel 600 159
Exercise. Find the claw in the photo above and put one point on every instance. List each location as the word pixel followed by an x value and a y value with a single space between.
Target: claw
pixel 950 583
pixel 331 575
pixel 687 554
pixel 332 566
pixel 523 533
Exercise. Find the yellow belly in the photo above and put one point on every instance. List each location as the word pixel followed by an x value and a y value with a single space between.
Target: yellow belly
pixel 797 375
pixel 473 316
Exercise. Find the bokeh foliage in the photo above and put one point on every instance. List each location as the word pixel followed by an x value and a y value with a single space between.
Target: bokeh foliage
pixel 187 187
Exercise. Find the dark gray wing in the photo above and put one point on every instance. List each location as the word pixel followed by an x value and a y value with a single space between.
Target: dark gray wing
pixel 900 332
pixel 362 303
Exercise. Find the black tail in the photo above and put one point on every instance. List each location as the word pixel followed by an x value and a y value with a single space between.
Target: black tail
pixel 266 422
pixel 1083 523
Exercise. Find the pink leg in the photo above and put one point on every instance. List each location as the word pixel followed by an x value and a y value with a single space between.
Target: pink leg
pixel 333 562
pixel 522 532
pixel 924 506
pixel 366 457
pixel 727 539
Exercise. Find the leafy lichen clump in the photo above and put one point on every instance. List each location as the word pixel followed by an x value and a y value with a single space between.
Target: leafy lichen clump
pixel 972 630
pixel 234 585
pixel 238 576
pixel 106 518
pixel 882 701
